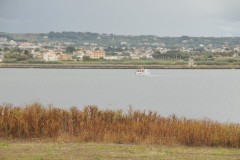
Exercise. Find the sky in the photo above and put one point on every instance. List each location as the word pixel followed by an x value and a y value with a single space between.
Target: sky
pixel 123 17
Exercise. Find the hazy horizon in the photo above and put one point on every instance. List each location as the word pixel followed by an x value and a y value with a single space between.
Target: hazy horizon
pixel 164 18
pixel 123 34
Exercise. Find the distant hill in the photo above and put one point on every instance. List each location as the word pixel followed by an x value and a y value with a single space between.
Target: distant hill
pixel 105 40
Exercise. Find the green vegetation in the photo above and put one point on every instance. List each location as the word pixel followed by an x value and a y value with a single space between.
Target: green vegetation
pixel 70 49
pixel 92 151
pixel 133 62
pixel 17 55
pixel 128 63
pixel 94 125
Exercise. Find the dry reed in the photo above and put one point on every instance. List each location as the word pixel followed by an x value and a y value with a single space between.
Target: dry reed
pixel 94 125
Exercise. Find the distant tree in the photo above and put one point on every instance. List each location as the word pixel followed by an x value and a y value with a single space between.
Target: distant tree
pixel 157 52
pixel 22 40
pixel 173 52
pixel 70 49
pixel 86 58
pixel 185 38
pixel 227 49
pixel 6 49
pixel 37 50
pixel 16 50
pixel 48 47
pixel 18 55
pixel 200 49
pixel 209 56
pixel 28 54
pixel 51 34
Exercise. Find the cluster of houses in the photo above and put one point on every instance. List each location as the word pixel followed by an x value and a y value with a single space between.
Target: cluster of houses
pixel 79 54
pixel 56 51
pixel 52 55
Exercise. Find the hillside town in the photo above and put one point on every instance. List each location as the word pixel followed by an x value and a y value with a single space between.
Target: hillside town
pixel 55 50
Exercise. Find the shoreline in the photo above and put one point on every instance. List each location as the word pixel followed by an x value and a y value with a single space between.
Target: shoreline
pixel 113 66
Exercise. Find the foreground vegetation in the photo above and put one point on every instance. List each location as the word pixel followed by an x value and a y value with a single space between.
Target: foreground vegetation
pixel 109 126
pixel 37 151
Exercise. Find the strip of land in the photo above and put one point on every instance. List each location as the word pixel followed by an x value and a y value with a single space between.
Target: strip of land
pixel 113 66
pixel 37 150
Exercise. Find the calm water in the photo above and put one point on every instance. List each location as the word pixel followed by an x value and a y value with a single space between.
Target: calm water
pixel 213 94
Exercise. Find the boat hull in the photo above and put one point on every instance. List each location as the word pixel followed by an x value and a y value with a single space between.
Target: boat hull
pixel 142 74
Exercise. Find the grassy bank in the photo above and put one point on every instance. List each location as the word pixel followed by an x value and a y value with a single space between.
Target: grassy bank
pixel 115 66
pixel 91 124
pixel 37 151
pixel 126 64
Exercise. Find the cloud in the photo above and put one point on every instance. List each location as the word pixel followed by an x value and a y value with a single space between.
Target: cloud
pixel 230 10
pixel 227 10
pixel 161 17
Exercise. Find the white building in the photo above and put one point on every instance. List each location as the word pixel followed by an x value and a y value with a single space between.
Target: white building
pixel 135 57
pixel 3 40
pixel 191 62
pixel 50 56
pixel 111 58
pixel 13 43
pixel 1 58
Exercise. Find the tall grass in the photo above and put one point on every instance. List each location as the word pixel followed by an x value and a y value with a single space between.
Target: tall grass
pixel 91 124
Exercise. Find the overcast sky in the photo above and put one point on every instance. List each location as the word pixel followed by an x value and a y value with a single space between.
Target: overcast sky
pixel 128 17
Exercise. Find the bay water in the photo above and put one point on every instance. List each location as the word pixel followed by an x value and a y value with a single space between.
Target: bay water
pixel 198 94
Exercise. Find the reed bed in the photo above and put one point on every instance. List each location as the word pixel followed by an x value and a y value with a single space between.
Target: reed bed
pixel 92 124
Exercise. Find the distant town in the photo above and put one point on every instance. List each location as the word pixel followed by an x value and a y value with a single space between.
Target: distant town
pixel 76 47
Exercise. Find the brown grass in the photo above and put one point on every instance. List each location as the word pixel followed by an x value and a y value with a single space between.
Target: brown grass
pixel 94 125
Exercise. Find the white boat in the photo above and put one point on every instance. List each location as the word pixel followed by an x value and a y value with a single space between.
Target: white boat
pixel 142 72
